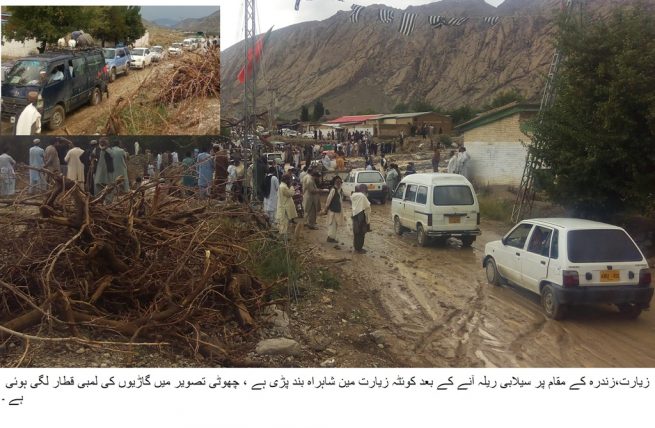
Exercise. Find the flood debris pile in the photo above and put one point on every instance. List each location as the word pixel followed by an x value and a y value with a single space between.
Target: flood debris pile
pixel 197 77
pixel 181 96
pixel 145 268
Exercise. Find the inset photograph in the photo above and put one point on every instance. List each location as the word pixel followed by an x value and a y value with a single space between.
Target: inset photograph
pixel 110 70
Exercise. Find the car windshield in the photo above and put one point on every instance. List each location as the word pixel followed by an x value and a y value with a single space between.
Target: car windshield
pixel 452 195
pixel 601 246
pixel 138 52
pixel 26 72
pixel 369 177
pixel 177 45
pixel 158 50
pixel 109 53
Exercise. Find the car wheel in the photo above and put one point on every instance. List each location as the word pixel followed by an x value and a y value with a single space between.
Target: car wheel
pixel 467 241
pixel 421 236
pixel 58 118
pixel 493 277
pixel 630 311
pixel 397 227
pixel 112 75
pixel 549 301
pixel 96 97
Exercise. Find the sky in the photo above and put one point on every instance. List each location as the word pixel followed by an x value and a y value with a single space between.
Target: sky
pixel 281 13
pixel 177 12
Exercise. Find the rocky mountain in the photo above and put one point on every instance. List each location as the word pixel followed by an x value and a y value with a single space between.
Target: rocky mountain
pixel 209 24
pixel 370 67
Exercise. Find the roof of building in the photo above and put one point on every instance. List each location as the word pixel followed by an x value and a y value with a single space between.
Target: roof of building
pixel 405 115
pixel 497 114
pixel 354 119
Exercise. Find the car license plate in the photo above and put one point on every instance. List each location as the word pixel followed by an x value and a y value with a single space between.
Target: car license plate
pixel 371 187
pixel 609 276
pixel 454 219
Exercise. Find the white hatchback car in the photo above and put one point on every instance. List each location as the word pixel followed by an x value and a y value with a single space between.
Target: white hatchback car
pixel 571 261
pixel 375 183
pixel 141 57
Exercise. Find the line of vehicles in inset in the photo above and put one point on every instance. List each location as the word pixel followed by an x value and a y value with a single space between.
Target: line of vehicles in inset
pixel 66 79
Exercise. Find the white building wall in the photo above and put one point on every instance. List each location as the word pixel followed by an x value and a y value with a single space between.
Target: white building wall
pixel 143 42
pixel 15 48
pixel 497 163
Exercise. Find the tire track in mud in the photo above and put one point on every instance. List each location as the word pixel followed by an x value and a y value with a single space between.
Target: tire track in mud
pixel 437 305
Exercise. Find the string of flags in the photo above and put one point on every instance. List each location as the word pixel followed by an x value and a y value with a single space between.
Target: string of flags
pixel 408 20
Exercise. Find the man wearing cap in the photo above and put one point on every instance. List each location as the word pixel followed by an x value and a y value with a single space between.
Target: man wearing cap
pixel 29 121
pixel 361 215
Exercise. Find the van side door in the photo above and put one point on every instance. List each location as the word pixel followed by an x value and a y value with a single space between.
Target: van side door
pixel 57 88
pixel 397 202
pixel 80 81
pixel 422 212
pixel 409 216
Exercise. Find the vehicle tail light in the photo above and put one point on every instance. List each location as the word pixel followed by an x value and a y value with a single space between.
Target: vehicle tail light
pixel 570 278
pixel 429 219
pixel 644 277
pixel 39 102
pixel 478 220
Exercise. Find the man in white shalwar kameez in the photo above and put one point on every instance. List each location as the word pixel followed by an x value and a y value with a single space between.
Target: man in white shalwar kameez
pixel 29 121
pixel 37 180
pixel 75 169
pixel 270 200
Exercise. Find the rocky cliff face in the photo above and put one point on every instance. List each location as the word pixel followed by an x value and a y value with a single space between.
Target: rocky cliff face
pixel 370 66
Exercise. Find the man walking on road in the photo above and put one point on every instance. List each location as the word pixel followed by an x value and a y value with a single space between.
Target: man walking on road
pixel 361 214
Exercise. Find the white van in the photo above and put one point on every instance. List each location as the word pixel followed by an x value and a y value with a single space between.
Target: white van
pixel 438 206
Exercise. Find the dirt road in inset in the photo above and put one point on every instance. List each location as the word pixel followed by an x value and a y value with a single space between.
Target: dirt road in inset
pixel 439 310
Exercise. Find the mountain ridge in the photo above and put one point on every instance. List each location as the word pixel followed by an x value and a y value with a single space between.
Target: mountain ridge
pixel 369 66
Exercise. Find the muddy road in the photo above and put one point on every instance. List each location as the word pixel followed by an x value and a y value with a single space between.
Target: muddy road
pixel 438 310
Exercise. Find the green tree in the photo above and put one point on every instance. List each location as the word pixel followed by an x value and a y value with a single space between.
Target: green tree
pixel 462 114
pixel 117 24
pixel 318 112
pixel 422 105
pixel 505 98
pixel 598 139
pixel 400 108
pixel 46 24
pixel 304 114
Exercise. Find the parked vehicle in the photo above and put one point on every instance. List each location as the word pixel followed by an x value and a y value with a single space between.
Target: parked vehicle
pixel 175 49
pixel 141 58
pixel 286 132
pixel 189 44
pixel 436 206
pixel 158 53
pixel 117 60
pixel 377 186
pixel 273 157
pixel 64 80
pixel 570 261
pixel 308 135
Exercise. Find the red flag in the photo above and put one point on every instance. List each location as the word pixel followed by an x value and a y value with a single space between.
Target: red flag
pixel 253 57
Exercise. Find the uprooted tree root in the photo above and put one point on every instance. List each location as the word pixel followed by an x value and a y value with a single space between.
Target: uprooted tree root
pixel 146 269
pixel 147 110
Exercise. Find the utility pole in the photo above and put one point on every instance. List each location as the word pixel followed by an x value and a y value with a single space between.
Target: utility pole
pixel 250 85
pixel 526 192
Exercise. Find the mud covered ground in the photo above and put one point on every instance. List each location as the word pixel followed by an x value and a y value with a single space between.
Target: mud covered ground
pixel 401 305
